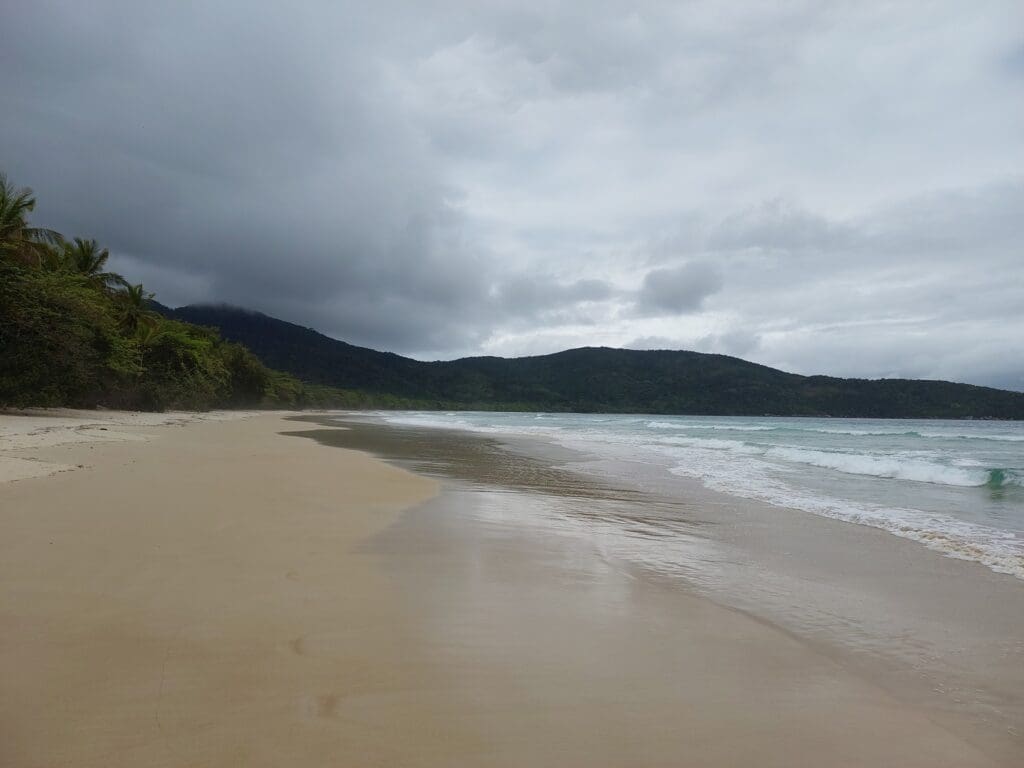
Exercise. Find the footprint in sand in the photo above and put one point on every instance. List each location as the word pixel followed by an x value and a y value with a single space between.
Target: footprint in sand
pixel 327 705
pixel 324 705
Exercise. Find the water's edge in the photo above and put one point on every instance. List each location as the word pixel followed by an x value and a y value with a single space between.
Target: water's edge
pixel 942 633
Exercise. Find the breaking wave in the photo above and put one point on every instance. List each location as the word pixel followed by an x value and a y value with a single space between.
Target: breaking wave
pixel 897 468
pixel 969 503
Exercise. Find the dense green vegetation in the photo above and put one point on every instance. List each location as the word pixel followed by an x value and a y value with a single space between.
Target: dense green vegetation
pixel 74 333
pixel 597 379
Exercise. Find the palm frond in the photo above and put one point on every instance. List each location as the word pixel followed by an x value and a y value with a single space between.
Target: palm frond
pixel 44 235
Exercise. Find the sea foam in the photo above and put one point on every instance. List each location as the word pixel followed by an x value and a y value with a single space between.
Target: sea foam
pixel 955 487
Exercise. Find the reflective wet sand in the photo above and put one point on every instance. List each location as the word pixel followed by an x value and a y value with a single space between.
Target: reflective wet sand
pixel 938 634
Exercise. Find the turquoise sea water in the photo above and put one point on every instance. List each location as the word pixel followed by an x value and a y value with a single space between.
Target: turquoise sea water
pixel 955 486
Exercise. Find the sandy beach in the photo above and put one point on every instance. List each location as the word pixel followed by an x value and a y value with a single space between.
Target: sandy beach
pixel 225 591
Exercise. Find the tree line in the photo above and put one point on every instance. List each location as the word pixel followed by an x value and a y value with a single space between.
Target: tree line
pixel 75 333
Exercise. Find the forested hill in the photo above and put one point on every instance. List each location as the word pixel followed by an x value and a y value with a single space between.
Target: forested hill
pixel 596 379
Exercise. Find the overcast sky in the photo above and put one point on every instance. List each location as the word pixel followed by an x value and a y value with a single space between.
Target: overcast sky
pixel 824 187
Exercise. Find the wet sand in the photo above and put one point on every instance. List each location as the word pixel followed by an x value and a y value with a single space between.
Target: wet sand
pixel 236 594
pixel 944 637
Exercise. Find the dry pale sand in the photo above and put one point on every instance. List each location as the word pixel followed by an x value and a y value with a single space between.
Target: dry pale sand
pixel 226 595
pixel 23 432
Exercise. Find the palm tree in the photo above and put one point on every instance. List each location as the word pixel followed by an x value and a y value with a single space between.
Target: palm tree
pixel 149 334
pixel 135 311
pixel 51 257
pixel 86 258
pixel 17 238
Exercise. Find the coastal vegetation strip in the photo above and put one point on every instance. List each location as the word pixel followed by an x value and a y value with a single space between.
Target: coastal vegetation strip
pixel 74 333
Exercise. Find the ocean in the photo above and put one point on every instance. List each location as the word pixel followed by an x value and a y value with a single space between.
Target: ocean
pixel 956 487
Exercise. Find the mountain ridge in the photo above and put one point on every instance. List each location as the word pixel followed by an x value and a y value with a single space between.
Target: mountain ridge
pixel 595 379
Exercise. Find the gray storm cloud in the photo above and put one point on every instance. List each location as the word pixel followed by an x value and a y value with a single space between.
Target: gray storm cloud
pixel 678 290
pixel 797 183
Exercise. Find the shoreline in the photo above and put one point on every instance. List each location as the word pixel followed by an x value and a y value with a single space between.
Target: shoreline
pixel 226 594
pixel 938 633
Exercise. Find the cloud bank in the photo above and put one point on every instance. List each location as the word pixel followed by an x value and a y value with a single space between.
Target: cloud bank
pixel 823 187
